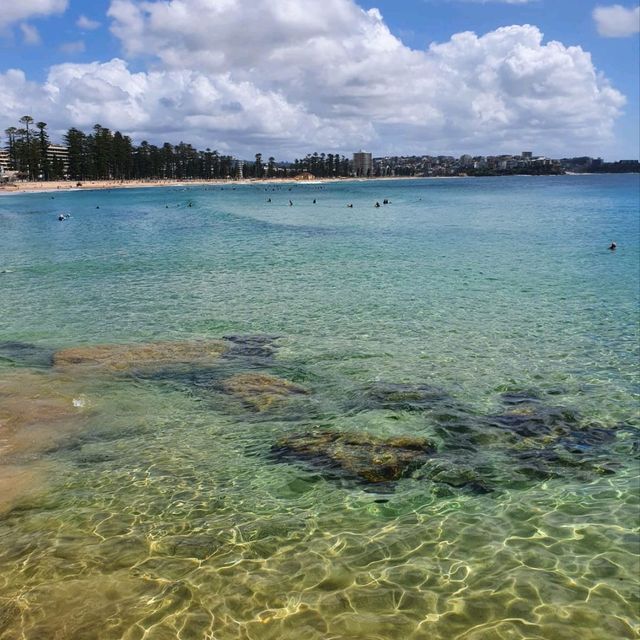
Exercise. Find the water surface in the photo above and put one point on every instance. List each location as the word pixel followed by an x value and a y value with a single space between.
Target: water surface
pixel 485 315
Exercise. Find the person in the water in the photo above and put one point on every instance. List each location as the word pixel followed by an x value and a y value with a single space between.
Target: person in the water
pixel 60 217
pixel 613 246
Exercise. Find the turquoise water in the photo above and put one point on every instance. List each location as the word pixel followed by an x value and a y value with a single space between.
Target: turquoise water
pixel 486 315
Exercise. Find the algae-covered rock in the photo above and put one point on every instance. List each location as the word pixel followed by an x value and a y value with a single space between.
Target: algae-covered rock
pixel 459 472
pixel 356 454
pixel 261 391
pixel 251 346
pixel 127 358
pixel 402 397
pixel 26 354
pixel 535 420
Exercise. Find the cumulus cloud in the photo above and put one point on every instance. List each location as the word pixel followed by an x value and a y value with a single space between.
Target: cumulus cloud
pixel 15 11
pixel 30 35
pixel 617 21
pixel 87 24
pixel 291 77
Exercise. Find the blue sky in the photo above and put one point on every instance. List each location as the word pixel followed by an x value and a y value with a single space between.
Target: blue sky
pixel 352 78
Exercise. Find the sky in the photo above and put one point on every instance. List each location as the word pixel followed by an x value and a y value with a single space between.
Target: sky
pixel 289 77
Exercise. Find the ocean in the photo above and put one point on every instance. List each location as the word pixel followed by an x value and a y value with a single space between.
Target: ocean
pixel 230 417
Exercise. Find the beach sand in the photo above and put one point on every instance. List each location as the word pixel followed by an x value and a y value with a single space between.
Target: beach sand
pixel 67 185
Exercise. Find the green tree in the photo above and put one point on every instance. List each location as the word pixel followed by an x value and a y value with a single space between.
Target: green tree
pixel 43 146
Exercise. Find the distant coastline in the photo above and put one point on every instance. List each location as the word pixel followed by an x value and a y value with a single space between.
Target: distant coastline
pixel 106 185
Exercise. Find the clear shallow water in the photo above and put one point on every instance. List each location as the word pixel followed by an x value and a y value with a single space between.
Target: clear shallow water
pixel 161 512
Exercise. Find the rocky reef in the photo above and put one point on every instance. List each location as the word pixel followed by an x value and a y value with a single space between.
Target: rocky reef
pixel 400 397
pixel 261 391
pixel 128 358
pixel 357 455
pixel 527 438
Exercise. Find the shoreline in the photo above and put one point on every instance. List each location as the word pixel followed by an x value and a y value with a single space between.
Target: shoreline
pixel 95 185
pixel 102 185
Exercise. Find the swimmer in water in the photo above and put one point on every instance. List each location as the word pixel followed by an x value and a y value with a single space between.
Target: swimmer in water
pixel 377 205
pixel 290 203
pixel 613 246
pixel 60 217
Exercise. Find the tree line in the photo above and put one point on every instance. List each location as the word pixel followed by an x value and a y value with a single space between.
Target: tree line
pixel 28 148
pixel 103 154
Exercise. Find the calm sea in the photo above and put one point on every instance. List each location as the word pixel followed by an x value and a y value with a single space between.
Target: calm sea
pixel 172 501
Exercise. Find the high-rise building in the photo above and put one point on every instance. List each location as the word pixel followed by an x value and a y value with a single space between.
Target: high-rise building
pixel 4 161
pixel 362 164
pixel 59 154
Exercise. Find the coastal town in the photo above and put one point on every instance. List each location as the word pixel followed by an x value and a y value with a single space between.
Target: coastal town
pixel 29 156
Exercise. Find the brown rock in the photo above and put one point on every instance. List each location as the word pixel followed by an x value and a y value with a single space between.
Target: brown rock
pixel 357 454
pixel 36 409
pixel 261 391
pixel 126 358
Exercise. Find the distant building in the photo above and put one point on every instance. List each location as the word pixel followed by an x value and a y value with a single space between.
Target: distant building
pixel 4 161
pixel 527 155
pixel 239 169
pixel 362 164
pixel 58 154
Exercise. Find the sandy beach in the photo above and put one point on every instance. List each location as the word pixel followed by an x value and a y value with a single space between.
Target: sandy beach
pixel 67 185
pixel 88 185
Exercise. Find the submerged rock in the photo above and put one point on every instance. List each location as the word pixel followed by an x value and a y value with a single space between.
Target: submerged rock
pixel 526 396
pixel 402 397
pixel 128 358
pixel 357 455
pixel 260 346
pixel 261 391
pixel 460 472
pixel 27 397
pixel 26 354
pixel 536 420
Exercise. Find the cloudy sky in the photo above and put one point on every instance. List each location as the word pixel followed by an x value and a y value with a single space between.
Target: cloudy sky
pixel 287 77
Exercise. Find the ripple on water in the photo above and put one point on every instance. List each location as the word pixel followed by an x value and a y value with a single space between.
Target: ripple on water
pixel 155 509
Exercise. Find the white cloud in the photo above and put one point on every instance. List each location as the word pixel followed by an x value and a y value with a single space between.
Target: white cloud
pixel 87 24
pixel 291 77
pixel 15 11
pixel 75 46
pixel 617 21
pixel 30 35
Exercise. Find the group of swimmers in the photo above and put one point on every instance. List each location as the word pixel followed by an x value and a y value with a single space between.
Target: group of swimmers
pixel 350 205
